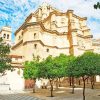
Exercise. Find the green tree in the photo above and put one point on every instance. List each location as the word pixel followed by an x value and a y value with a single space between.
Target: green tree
pixel 49 71
pixel 31 71
pixel 54 68
pixel 61 62
pixel 84 66
pixel 70 71
pixel 5 60
pixel 97 6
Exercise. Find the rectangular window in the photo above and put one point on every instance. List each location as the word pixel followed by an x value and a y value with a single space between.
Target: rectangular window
pixel 7 36
pixel 35 46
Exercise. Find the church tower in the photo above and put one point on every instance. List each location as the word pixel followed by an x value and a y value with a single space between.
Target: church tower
pixel 5 33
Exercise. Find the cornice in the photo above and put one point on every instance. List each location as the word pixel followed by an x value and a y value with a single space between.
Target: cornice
pixel 86 30
pixel 28 17
pixel 80 18
pixel 17 44
pixel 95 44
pixel 16 66
pixel 43 44
pixel 15 56
pixel 84 49
pixel 19 28
pixel 43 28
pixel 5 30
pixel 89 49
pixel 82 36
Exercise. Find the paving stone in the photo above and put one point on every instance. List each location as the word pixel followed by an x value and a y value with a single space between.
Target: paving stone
pixel 17 97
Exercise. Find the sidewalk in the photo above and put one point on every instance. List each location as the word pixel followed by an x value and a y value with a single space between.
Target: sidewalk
pixel 4 92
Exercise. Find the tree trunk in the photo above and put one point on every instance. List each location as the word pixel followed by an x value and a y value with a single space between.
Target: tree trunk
pixel 79 82
pixel 70 81
pixel 59 83
pixel 73 86
pixel 34 85
pixel 92 82
pixel 87 80
pixel 83 88
pixel 51 90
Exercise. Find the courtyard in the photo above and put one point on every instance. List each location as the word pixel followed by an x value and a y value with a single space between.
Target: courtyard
pixel 49 49
pixel 60 94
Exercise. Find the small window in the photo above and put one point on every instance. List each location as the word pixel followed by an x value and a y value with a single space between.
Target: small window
pixel 62 22
pixel 34 35
pixel 19 38
pixel 47 50
pixel 4 36
pixel 48 7
pixel 7 36
pixel 38 57
pixel 35 46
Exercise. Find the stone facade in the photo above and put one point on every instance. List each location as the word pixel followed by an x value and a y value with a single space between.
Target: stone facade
pixel 48 31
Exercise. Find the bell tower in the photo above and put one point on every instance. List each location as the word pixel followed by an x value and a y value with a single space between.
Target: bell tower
pixel 5 33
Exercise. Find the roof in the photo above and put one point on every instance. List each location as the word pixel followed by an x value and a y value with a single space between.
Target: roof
pixel 15 56
pixel 55 11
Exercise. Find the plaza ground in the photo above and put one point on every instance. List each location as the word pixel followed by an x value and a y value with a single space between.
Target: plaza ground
pixel 65 94
pixel 44 94
pixel 60 94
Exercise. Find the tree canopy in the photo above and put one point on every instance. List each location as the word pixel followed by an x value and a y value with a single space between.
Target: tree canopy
pixel 47 68
pixel 60 66
pixel 97 6
pixel 84 66
pixel 5 60
pixel 31 70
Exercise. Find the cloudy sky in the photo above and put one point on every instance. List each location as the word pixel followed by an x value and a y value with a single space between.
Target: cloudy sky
pixel 14 12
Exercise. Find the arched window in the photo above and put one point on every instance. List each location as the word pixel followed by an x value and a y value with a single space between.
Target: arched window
pixel 7 36
pixel 4 36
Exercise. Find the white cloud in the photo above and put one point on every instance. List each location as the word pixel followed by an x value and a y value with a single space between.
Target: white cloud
pixel 20 9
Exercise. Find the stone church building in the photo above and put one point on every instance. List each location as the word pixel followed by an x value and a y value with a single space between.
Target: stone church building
pixel 49 31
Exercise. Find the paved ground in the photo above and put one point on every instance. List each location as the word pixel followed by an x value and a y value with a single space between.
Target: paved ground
pixel 44 94
pixel 65 94
pixel 18 97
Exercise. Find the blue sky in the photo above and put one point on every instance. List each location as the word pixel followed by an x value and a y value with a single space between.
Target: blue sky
pixel 14 12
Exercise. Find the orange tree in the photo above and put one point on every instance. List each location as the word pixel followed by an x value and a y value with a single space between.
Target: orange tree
pixel 53 68
pixel 61 62
pixel 48 71
pixel 84 66
pixel 31 71
pixel 70 70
